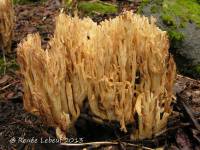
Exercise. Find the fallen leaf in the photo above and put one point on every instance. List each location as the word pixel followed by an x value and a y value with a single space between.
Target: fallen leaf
pixel 10 95
pixel 183 141
pixel 4 79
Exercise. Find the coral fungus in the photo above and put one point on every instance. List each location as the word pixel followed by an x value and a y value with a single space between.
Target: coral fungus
pixel 122 67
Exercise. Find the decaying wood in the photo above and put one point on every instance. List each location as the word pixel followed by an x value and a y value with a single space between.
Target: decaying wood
pixel 6 24
pixel 121 66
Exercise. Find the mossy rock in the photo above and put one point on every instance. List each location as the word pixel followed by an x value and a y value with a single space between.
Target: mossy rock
pixel 181 19
pixel 97 7
pixel 186 10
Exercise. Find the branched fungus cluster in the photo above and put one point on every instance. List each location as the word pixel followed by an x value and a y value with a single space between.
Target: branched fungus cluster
pixel 6 24
pixel 121 67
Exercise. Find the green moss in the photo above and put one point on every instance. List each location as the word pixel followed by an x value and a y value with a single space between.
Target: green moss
pixel 175 35
pixel 186 10
pixel 142 4
pixel 145 1
pixel 97 7
pixel 1 66
pixel 68 2
pixel 176 38
pixel 197 69
pixel 176 12
pixel 158 2
pixel 154 9
pixel 182 25
pixel 168 20
pixel 10 65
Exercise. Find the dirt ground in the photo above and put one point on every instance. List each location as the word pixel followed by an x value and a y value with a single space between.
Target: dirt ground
pixel 182 132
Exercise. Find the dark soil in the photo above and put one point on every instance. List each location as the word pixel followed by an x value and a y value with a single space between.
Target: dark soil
pixel 17 125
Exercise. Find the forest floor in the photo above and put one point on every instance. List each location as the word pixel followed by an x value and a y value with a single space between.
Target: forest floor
pixel 17 127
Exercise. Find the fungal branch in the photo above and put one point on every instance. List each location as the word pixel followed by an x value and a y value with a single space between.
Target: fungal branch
pixel 6 26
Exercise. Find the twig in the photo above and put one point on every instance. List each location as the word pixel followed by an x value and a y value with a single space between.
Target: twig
pixel 105 143
pixel 4 59
pixel 142 147
pixel 90 143
pixel 7 86
pixel 172 128
pixel 187 111
pixel 188 78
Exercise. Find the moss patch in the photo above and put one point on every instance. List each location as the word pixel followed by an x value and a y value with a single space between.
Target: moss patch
pixel 181 19
pixel 176 38
pixel 175 12
pixel 175 35
pixel 97 7
pixel 142 4
pixel 10 65
pixel 154 9
pixel 197 69
pixel 168 20
pixel 186 10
